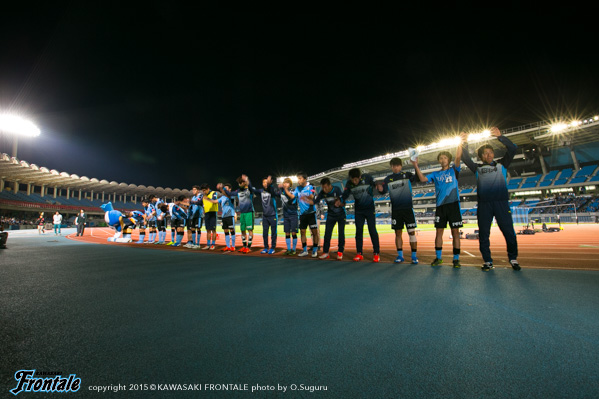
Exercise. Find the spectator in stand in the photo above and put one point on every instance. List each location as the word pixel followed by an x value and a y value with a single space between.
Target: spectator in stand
pixel 40 224
pixel 57 223
pixel 80 222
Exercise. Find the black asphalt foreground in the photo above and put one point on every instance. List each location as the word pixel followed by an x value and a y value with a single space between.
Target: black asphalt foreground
pixel 125 322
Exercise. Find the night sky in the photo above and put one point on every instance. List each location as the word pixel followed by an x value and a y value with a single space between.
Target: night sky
pixel 170 96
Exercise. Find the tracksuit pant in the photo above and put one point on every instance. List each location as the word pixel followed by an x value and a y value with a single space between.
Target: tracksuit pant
pixel 370 218
pixel 269 221
pixel 501 211
pixel 328 232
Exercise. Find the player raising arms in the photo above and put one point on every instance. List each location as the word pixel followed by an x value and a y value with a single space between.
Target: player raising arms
pixel 361 187
pixel 228 217
pixel 290 215
pixel 335 215
pixel 246 211
pixel 399 186
pixel 448 203
pixel 493 197
pixel 304 193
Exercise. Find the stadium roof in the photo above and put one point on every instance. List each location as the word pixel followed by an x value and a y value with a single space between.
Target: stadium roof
pixel 13 169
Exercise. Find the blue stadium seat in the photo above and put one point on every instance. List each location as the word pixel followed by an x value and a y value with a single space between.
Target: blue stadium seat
pixel 549 176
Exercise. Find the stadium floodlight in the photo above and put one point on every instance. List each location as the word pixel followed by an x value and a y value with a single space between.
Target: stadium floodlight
pixel 14 124
pixel 17 126
pixel 559 127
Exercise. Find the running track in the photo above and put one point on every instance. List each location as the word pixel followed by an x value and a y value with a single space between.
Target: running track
pixel 574 248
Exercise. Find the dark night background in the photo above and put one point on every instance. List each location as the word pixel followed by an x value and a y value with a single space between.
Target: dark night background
pixel 171 96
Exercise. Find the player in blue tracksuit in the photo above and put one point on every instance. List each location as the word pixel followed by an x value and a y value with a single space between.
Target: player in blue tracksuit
pixel 335 215
pixel 448 203
pixel 493 197
pixel 195 217
pixel 269 213
pixel 290 215
pixel 227 217
pixel 305 193
pixel 399 187
pixel 361 187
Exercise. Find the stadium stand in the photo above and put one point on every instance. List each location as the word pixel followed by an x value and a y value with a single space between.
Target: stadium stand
pixel 534 183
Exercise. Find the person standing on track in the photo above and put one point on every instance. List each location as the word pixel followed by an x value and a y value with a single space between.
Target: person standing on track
pixel 399 187
pixel 195 218
pixel 290 216
pixel 160 218
pixel 246 211
pixel 448 203
pixel 361 187
pixel 270 218
pixel 304 192
pixel 227 217
pixel 150 212
pixel 210 200
pixel 57 219
pixel 493 197
pixel 335 215
pixel 80 221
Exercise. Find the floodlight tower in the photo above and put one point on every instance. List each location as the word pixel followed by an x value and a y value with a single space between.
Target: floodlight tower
pixel 16 126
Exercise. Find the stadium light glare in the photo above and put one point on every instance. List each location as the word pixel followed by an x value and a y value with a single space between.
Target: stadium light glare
pixel 282 178
pixel 559 127
pixel 17 125
pixel 479 136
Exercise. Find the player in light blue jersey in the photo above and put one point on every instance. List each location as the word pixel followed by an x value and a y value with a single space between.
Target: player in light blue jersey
pixel 305 193
pixel 448 203
pixel 178 217
pixel 160 218
pixel 227 216
pixel 493 197
pixel 195 217
pixel 150 212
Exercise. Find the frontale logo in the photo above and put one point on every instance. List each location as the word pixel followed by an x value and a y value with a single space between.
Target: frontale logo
pixel 27 382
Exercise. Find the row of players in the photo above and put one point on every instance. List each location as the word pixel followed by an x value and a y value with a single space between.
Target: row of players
pixel 299 209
